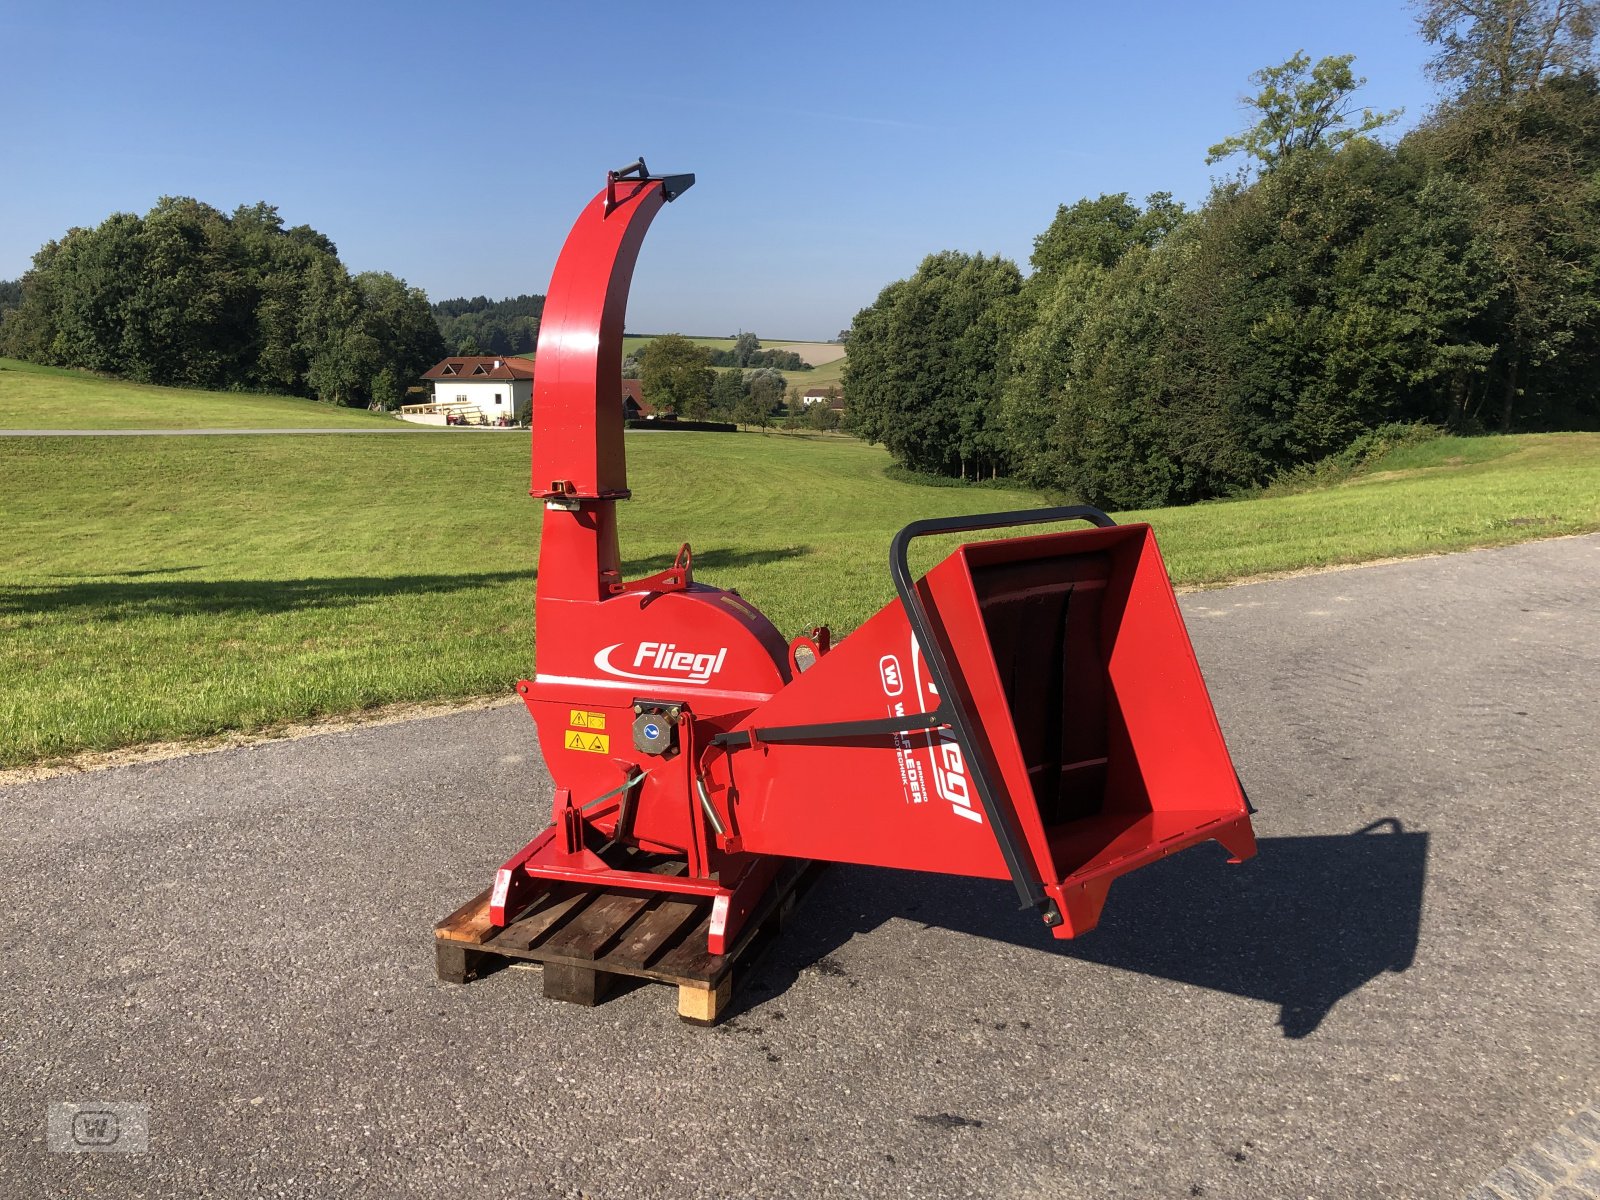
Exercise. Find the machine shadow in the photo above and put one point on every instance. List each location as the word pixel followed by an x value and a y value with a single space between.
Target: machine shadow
pixel 1305 923
pixel 179 597
pixel 128 574
pixel 132 595
pixel 713 560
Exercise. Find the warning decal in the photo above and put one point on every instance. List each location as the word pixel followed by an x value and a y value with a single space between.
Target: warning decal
pixel 592 743
pixel 579 719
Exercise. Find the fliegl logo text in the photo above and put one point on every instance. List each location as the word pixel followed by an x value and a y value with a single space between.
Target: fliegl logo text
pixel 945 761
pixel 662 662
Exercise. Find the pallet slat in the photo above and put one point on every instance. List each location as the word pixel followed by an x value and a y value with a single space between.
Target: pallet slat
pixel 469 923
pixel 652 932
pixel 689 961
pixel 600 924
pixel 524 933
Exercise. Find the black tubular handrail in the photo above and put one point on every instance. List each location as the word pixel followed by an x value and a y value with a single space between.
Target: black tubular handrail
pixel 953 713
pixel 829 731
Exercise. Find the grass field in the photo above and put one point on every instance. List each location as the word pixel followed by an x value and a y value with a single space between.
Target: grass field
pixel 632 344
pixel 827 373
pixel 821 354
pixel 35 397
pixel 153 588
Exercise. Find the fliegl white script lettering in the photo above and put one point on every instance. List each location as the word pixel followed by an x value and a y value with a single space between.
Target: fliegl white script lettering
pixel 663 662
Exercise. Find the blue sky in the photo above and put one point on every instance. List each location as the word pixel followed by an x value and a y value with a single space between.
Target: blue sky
pixel 835 144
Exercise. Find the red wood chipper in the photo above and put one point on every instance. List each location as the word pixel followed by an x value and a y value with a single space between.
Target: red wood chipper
pixel 1030 710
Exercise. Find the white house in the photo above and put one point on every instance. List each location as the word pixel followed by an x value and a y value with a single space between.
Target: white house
pixel 822 395
pixel 478 391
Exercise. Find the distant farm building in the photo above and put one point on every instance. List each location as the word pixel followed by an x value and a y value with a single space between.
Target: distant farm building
pixel 831 396
pixel 634 406
pixel 476 390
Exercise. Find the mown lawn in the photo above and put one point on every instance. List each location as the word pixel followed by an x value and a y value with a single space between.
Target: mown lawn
pixel 35 397
pixel 1446 494
pixel 153 588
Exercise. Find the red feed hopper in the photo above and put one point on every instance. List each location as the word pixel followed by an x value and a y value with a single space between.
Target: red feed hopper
pixel 1031 709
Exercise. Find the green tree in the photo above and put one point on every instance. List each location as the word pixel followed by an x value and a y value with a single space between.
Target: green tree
pixel 766 388
pixel 188 295
pixel 273 262
pixel 794 415
pixel 1302 106
pixel 1521 127
pixel 1533 167
pixel 401 327
pixel 726 393
pixel 93 291
pixel 744 349
pixel 676 376
pixel 504 327
pixel 1498 49
pixel 340 357
pixel 387 390
pixel 1285 319
pixel 1070 261
pixel 923 372
pixel 821 416
pixel 28 328
pixel 1099 232
pixel 752 410
pixel 192 316
pixel 1156 356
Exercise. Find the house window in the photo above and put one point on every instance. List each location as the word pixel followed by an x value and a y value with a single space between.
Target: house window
pixel 461 399
pixel 497 397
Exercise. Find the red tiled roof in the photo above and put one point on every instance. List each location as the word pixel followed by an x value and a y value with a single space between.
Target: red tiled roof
pixel 632 388
pixel 481 368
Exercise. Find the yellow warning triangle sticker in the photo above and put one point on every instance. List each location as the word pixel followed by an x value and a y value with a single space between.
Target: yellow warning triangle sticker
pixel 590 743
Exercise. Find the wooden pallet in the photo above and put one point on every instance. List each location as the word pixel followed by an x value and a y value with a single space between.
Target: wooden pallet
pixel 586 938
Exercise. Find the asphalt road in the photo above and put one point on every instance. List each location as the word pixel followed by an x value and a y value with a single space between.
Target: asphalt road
pixel 1394 998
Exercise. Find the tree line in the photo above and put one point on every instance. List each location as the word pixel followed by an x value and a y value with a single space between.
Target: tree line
pixel 481 326
pixel 746 353
pixel 679 377
pixel 190 296
pixel 1334 286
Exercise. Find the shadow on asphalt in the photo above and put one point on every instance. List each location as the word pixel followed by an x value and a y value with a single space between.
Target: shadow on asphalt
pixel 181 597
pixel 1305 923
